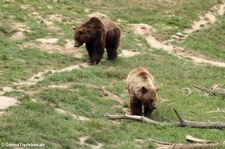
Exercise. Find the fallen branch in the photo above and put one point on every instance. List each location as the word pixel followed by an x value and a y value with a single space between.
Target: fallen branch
pixel 216 91
pixel 167 145
pixel 182 122
pixel 197 140
pixel 188 146
pixel 196 124
pixel 204 90
pixel 134 117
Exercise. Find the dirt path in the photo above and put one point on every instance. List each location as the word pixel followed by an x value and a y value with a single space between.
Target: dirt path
pixel 41 75
pixel 8 101
pixel 209 18
pixel 206 20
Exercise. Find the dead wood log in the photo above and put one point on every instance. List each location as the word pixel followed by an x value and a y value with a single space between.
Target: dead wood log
pixel 134 117
pixel 167 145
pixel 182 122
pixel 216 91
pixel 188 146
pixel 197 140
pixel 196 124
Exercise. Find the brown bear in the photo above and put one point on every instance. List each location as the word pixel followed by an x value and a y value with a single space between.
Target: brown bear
pixel 142 91
pixel 98 34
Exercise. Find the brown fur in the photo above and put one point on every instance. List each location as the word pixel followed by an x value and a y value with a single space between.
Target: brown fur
pixel 97 35
pixel 142 90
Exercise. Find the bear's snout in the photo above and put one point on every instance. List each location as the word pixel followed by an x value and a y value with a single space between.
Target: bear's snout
pixel 77 44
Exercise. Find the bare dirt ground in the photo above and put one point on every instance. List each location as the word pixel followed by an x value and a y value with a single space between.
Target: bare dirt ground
pixel 7 102
pixel 74 116
pixel 50 45
pixel 128 53
pixel 21 28
pixel 83 142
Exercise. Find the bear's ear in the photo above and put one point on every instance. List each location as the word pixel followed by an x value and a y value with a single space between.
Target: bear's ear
pixel 157 89
pixel 144 90
pixel 74 28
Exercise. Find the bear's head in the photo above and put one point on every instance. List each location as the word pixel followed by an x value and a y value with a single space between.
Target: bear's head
pixel 80 36
pixel 88 31
pixel 148 95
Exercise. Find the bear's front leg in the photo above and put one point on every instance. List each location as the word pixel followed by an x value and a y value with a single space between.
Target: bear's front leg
pixel 89 49
pixel 136 106
pixel 95 59
pixel 96 55
pixel 148 108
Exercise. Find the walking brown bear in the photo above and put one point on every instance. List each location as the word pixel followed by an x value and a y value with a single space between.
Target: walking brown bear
pixel 98 34
pixel 142 91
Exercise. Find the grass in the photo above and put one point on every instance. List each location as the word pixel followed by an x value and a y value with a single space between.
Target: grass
pixel 209 41
pixel 39 122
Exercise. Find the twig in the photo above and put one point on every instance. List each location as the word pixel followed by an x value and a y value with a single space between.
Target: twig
pixel 179 117
pixel 216 91
pixel 204 90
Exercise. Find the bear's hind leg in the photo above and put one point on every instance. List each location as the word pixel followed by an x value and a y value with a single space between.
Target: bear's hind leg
pixel 136 107
pixel 112 43
pixel 111 53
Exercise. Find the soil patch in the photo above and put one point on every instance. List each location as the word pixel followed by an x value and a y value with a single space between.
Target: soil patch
pixel 7 102
pixel 76 117
pixel 22 28
pixel 49 45
pixel 83 142
pixel 49 20
pixel 128 53
pixel 40 76
pixel 18 36
pixel 48 40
